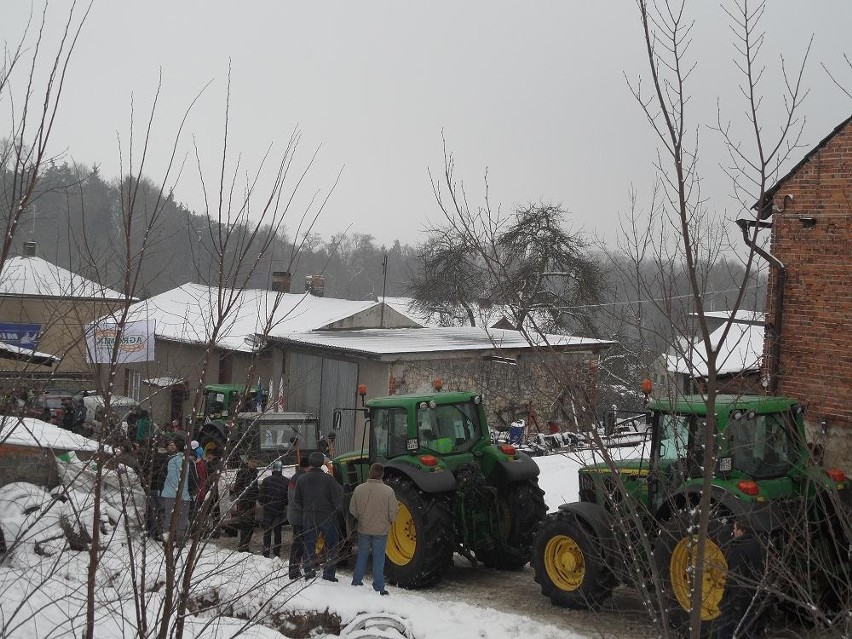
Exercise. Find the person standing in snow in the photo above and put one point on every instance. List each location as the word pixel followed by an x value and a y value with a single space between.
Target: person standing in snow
pixel 294 516
pixel 320 499
pixel 245 491
pixel 375 507
pixel 273 498
pixel 175 490
pixel 746 565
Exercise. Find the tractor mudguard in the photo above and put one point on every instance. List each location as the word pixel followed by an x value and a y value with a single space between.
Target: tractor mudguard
pixel 428 481
pixel 599 520
pixel 520 469
pixel 764 516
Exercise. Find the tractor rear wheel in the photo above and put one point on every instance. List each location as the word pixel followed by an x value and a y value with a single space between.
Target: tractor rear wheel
pixel 676 554
pixel 521 509
pixel 569 564
pixel 421 540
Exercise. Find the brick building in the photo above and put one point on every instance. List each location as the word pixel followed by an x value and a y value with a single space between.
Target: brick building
pixel 809 301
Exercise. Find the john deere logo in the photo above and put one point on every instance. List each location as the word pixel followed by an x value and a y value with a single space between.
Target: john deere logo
pixel 105 338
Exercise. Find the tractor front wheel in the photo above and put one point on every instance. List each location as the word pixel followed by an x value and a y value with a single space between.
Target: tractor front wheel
pixel 421 541
pixel 676 554
pixel 569 564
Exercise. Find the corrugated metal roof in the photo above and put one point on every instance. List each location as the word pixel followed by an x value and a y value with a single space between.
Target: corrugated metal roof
pixel 32 275
pixel 412 341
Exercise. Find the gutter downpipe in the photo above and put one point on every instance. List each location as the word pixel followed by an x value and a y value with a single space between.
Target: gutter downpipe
pixel 780 281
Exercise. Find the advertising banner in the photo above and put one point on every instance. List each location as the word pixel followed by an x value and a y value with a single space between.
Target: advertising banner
pixel 137 342
pixel 23 335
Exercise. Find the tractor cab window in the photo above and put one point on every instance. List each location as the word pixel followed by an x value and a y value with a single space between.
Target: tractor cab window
pixel 760 445
pixel 449 428
pixel 681 443
pixel 390 432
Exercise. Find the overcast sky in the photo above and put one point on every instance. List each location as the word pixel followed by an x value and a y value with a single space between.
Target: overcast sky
pixel 534 92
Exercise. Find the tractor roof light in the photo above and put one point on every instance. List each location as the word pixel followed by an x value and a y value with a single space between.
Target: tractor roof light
pixel 508 449
pixel 428 460
pixel 836 475
pixel 422 405
pixel 432 403
pixel 748 487
pixel 477 399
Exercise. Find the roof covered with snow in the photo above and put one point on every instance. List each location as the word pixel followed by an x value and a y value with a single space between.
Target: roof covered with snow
pixel 34 432
pixel 741 351
pixel 382 343
pixel 12 351
pixel 34 276
pixel 188 313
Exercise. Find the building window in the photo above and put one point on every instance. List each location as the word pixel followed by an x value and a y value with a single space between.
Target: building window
pixel 132 382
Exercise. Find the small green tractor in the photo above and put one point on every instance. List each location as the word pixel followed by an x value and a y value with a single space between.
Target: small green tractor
pixel 456 490
pixel 764 474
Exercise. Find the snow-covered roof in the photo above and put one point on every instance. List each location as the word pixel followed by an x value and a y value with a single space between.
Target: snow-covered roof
pixel 410 341
pixel 34 432
pixel 405 306
pixel 164 382
pixel 741 352
pixel 32 275
pixel 187 314
pixel 11 351
pixel 742 316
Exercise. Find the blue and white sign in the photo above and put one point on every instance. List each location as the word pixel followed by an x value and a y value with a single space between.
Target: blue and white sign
pixel 23 335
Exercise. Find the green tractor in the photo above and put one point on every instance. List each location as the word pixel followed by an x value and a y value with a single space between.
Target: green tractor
pixel 456 490
pixel 764 474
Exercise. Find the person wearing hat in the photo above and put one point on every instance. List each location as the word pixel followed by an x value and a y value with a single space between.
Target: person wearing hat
pixel 273 498
pixel 320 498
pixel 200 488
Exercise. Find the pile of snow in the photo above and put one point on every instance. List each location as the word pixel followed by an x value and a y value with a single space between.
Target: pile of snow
pixel 43 577
pixel 27 431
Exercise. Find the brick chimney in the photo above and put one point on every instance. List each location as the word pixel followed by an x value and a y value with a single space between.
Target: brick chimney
pixel 281 281
pixel 30 248
pixel 315 284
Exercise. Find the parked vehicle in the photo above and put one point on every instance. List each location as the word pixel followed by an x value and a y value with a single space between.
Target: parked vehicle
pixel 47 405
pixel 764 472
pixel 265 436
pixel 457 491
pixel 226 400
pixel 89 408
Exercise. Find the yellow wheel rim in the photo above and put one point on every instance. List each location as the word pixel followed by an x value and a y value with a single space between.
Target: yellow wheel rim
pixel 402 539
pixel 682 567
pixel 564 562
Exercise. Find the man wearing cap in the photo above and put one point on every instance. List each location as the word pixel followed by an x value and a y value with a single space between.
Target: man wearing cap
pixel 320 498
pixel 375 507
pixel 273 498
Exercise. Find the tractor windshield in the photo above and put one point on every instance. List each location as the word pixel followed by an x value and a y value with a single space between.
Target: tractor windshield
pixel 449 428
pixel 760 445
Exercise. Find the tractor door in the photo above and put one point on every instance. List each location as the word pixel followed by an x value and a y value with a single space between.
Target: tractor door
pixel 677 454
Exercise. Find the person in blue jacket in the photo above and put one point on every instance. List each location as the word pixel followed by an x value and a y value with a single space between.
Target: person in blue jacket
pixel 172 492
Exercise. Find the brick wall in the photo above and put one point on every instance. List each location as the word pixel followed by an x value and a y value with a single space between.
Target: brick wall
pixel 28 464
pixel 815 363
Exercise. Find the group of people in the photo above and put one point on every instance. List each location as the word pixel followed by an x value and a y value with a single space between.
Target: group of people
pixel 177 482
pixel 311 501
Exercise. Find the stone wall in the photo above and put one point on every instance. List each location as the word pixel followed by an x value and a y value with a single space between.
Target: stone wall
pixel 555 386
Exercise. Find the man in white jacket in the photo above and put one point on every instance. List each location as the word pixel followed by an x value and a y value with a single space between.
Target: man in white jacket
pixel 375 507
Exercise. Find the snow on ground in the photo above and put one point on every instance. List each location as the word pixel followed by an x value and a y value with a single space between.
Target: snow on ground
pixel 43 582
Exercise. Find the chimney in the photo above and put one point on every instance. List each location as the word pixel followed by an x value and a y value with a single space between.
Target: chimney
pixel 281 281
pixel 30 248
pixel 315 284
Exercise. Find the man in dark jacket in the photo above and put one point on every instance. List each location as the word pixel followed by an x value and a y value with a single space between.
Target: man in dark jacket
pixel 294 517
pixel 740 609
pixel 245 491
pixel 273 498
pixel 320 499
